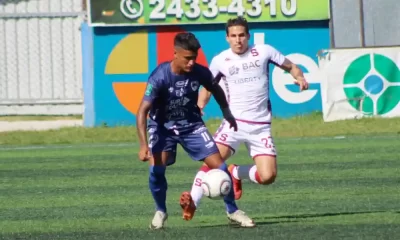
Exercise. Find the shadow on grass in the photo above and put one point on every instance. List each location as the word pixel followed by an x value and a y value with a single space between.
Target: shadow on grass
pixel 291 218
pixel 317 215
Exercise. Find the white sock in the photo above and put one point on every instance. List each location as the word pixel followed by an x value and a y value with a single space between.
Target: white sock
pixel 252 174
pixel 197 190
pixel 247 172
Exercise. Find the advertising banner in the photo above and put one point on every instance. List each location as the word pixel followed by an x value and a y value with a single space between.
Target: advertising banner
pixel 360 83
pixel 123 59
pixel 177 12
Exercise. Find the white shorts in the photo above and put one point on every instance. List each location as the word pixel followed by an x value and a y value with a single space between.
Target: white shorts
pixel 256 137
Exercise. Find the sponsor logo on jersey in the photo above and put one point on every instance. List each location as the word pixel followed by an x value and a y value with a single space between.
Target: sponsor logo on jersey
pixel 149 88
pixel 180 84
pixel 177 114
pixel 247 80
pixel 233 70
pixel 249 66
pixel 194 85
pixel 178 103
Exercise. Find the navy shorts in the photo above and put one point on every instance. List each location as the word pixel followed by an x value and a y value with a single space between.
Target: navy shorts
pixel 198 143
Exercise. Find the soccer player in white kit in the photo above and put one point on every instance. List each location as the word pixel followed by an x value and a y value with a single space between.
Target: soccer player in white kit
pixel 245 71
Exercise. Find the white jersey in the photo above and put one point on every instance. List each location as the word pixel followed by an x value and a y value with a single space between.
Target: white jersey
pixel 246 82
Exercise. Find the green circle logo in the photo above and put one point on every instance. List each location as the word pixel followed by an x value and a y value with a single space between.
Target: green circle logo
pixel 372 84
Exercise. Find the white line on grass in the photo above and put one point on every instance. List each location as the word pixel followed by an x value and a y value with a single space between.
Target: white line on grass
pixel 111 145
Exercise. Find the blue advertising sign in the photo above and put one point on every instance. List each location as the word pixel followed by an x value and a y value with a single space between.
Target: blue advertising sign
pixel 124 57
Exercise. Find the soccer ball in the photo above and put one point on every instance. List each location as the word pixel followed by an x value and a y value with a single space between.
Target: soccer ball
pixel 216 184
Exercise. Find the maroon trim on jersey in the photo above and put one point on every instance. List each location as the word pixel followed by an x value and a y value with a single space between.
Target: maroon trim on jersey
pixel 226 145
pixel 267 155
pixel 252 122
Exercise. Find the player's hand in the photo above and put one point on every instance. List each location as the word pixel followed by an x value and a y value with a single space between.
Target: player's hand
pixel 144 153
pixel 202 111
pixel 226 112
pixel 302 83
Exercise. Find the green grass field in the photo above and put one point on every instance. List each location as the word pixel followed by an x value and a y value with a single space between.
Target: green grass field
pixel 327 188
pixel 310 125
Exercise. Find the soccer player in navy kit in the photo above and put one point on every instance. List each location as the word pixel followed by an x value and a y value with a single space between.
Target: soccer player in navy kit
pixel 170 100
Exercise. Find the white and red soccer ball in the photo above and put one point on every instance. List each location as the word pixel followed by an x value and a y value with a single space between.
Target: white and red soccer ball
pixel 216 184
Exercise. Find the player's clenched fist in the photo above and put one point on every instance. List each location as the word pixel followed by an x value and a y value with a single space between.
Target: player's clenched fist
pixel 303 84
pixel 144 154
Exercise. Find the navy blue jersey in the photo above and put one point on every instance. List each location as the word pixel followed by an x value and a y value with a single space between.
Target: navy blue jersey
pixel 174 97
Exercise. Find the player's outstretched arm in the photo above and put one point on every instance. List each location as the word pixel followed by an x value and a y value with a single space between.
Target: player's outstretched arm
pixel 296 72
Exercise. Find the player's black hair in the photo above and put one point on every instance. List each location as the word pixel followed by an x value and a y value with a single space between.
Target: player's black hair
pixel 239 21
pixel 187 41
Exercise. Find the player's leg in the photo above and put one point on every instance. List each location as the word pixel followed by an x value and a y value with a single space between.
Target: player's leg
pixel 235 215
pixel 262 149
pixel 163 152
pixel 263 172
pixel 228 141
pixel 226 144
pixel 201 146
pixel 197 191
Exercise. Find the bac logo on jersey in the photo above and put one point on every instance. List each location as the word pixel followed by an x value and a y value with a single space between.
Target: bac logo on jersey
pixel 281 80
pixel 251 65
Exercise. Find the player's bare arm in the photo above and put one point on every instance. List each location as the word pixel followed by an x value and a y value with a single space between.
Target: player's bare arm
pixel 204 98
pixel 141 124
pixel 296 72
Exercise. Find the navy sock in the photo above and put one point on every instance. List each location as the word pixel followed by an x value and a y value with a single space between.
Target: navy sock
pixel 229 200
pixel 158 187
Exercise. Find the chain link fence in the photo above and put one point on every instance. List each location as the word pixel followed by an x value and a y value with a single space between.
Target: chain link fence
pixel 40 57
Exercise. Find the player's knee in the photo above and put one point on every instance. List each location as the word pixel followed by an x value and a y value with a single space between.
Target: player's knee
pixel 267 177
pixel 225 151
pixel 214 161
